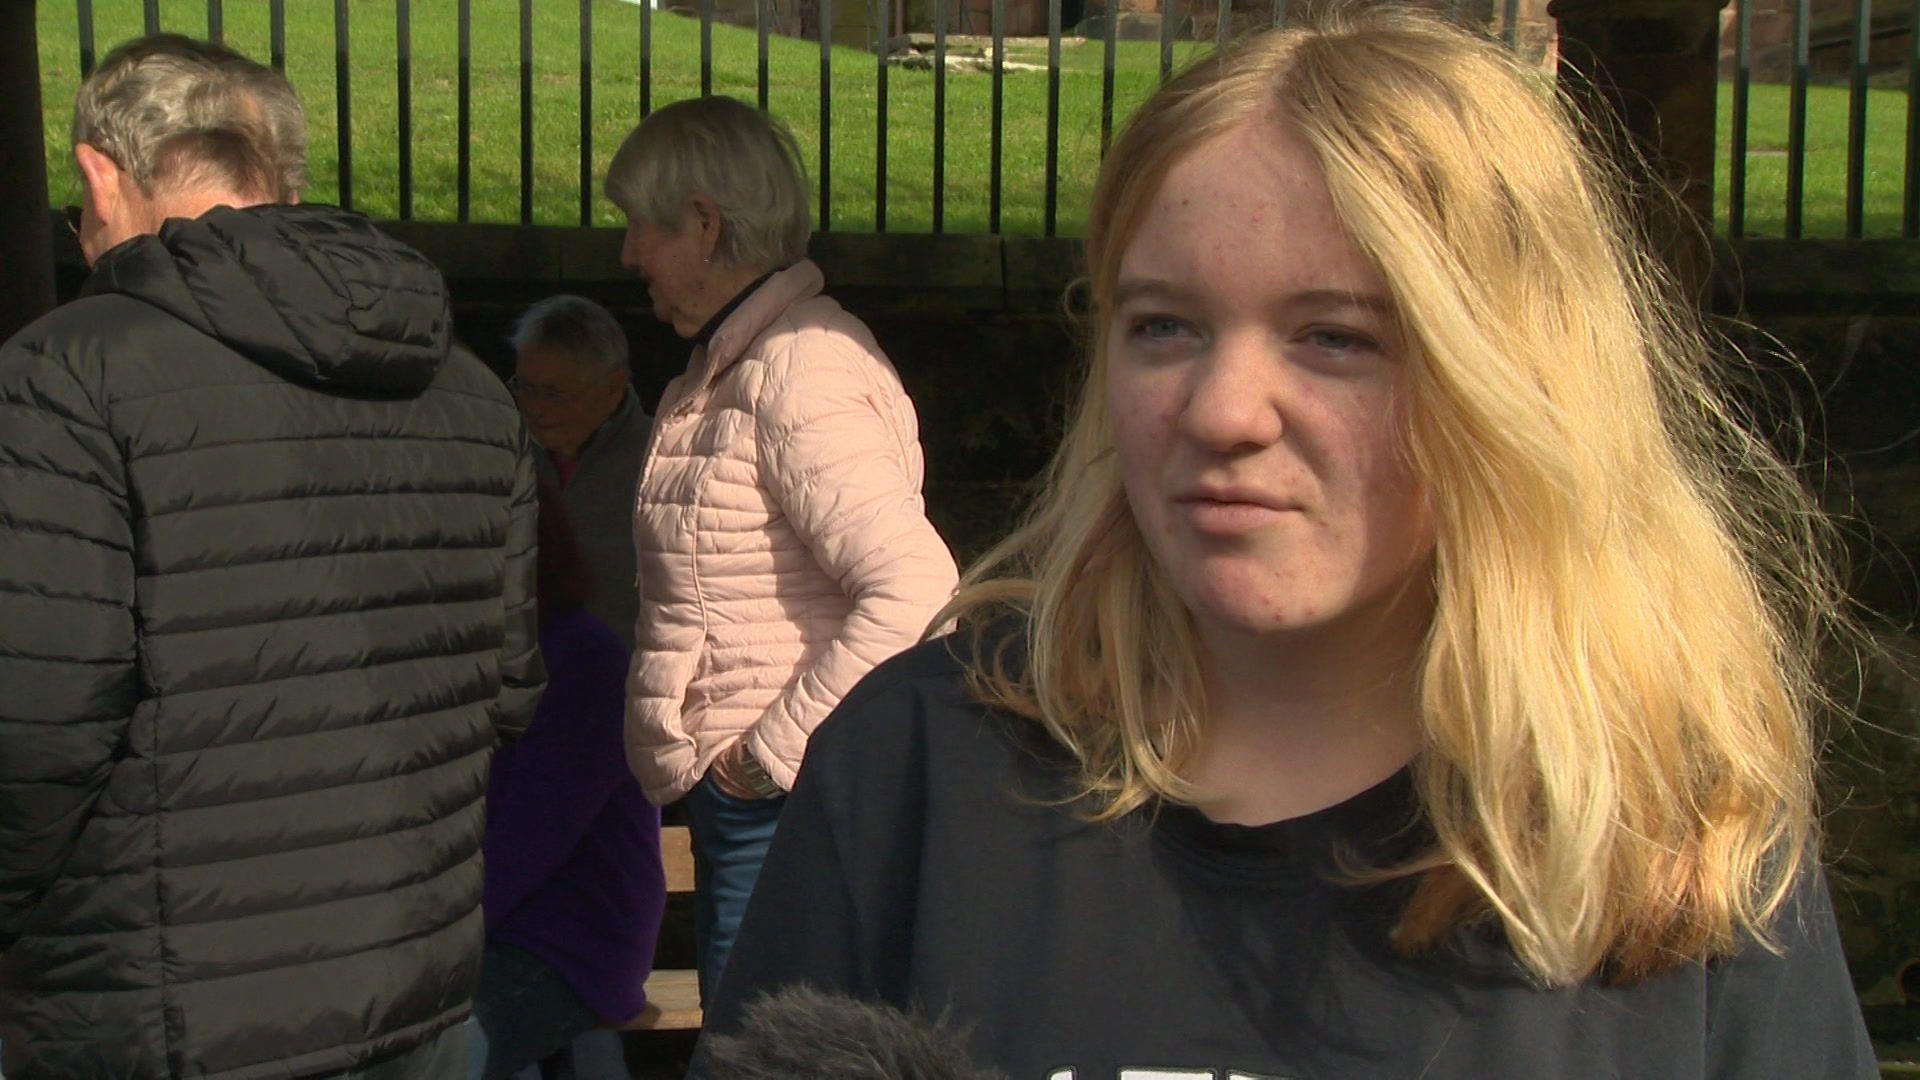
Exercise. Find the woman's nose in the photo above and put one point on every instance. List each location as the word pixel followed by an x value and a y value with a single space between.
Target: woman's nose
pixel 1233 399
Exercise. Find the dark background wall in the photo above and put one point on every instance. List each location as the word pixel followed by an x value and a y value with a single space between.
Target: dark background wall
pixel 978 328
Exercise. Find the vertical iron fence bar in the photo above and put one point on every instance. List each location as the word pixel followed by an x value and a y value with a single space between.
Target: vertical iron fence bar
pixel 1797 120
pixel 151 13
pixel 1053 117
pixel 85 11
pixel 880 115
pixel 762 15
pixel 706 48
pixel 403 49
pixel 1110 36
pixel 999 20
pixel 463 109
pixel 1742 91
pixel 1510 24
pixel 826 114
pixel 1910 196
pixel 940 115
pixel 1857 120
pixel 526 112
pixel 1223 33
pixel 343 100
pixel 216 22
pixel 277 34
pixel 646 59
pixel 586 113
pixel 1169 16
pixel 1280 12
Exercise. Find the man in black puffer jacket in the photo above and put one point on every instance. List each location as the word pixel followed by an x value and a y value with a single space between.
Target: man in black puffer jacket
pixel 266 575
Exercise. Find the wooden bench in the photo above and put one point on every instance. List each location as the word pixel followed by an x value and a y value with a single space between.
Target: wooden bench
pixel 673 994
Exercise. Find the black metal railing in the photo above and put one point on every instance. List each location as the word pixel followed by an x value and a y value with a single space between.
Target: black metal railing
pixel 1784 170
pixel 1817 74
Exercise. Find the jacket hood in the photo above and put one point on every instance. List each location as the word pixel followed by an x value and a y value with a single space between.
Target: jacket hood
pixel 315 294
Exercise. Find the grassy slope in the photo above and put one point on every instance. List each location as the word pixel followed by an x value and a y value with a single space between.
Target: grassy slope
pixel 794 91
pixel 1826 170
pixel 794 96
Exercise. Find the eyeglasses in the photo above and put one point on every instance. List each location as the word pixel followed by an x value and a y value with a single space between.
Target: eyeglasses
pixel 71 215
pixel 545 395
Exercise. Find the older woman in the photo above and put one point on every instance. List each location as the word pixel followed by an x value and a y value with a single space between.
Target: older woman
pixel 782 541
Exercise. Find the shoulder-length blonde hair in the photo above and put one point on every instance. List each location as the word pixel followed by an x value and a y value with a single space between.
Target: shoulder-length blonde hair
pixel 1615 691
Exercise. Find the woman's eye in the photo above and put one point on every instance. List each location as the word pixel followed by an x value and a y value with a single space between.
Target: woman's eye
pixel 1336 340
pixel 1157 327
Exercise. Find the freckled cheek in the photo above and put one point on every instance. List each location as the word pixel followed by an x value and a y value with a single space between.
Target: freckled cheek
pixel 1140 444
pixel 1396 510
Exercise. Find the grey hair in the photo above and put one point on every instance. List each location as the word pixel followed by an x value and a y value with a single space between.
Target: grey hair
pixel 744 160
pixel 174 112
pixel 576 325
pixel 804 1034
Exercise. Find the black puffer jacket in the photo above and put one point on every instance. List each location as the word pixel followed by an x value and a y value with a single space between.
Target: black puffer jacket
pixel 266 572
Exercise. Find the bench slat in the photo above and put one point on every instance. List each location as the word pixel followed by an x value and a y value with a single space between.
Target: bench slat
pixel 673 1003
pixel 673 994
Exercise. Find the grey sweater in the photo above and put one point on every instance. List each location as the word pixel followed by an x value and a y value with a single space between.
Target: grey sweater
pixel 599 500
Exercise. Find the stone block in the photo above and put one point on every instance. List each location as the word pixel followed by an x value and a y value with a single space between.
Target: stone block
pixel 1133 26
pixel 593 255
pixel 895 272
pixel 483 253
pixel 1039 270
pixel 1822 278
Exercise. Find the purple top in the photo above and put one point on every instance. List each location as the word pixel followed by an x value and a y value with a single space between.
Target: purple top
pixel 573 871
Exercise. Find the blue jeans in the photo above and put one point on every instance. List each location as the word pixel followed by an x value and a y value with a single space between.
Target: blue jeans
pixel 730 838
pixel 522 1012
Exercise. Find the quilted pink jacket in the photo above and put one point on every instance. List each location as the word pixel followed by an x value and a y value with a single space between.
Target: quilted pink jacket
pixel 782 542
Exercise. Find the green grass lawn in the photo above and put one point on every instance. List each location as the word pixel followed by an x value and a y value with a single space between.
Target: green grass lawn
pixel 794 96
pixel 1826 169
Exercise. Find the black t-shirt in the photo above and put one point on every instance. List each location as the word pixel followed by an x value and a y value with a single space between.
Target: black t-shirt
pixel 925 859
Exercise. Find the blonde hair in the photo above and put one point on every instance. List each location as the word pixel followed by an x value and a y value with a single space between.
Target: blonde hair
pixel 746 161
pixel 175 112
pixel 1616 689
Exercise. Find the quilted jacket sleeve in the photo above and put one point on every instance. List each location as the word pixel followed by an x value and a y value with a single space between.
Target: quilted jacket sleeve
pixel 847 475
pixel 522 676
pixel 68 658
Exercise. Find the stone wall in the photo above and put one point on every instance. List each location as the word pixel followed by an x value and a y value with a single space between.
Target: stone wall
pixel 976 326
pixel 854 21
pixel 1830 31
pixel 1847 311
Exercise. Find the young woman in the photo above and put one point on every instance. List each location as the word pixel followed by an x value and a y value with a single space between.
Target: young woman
pixel 1405 669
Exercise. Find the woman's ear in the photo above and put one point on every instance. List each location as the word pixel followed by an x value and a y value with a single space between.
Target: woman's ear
pixel 706 218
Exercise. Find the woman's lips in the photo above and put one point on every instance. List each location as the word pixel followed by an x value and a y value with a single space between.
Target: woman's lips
pixel 1229 517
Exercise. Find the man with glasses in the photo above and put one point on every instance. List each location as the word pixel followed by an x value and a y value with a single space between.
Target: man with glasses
pixel 266 605
pixel 572 381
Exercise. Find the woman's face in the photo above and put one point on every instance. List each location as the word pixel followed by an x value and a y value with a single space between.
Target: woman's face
pixel 1254 380
pixel 676 268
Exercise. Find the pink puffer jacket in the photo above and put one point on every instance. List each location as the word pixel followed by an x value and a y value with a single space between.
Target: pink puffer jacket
pixel 782 542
